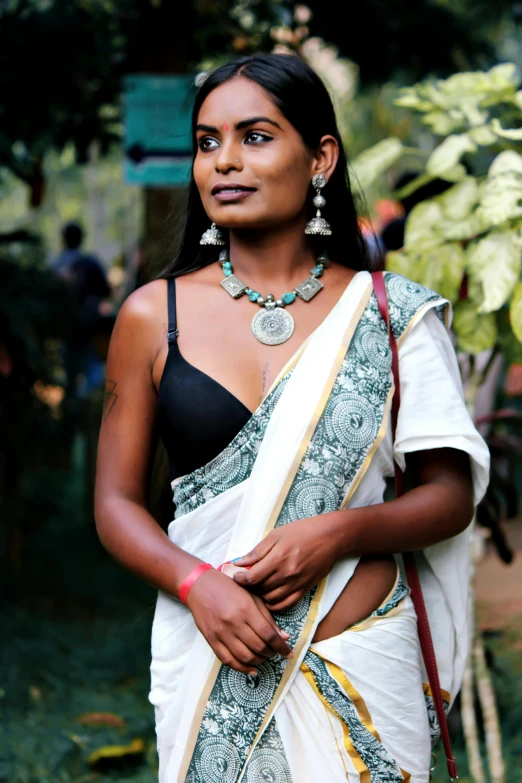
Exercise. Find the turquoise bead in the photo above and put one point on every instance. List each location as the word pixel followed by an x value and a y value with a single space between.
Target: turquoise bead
pixel 248 291
pixel 227 265
pixel 317 271
pixel 288 298
pixel 227 272
pixel 254 296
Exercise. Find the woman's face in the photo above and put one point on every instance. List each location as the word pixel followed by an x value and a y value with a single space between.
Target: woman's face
pixel 252 168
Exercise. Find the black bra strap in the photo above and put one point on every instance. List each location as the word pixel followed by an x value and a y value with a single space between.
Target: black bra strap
pixel 171 296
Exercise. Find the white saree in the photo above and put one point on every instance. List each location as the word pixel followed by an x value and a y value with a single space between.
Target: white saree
pixel 355 707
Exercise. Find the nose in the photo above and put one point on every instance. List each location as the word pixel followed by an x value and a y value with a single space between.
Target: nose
pixel 228 158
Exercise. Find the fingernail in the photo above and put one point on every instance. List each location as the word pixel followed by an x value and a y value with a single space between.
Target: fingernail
pixel 284 634
pixel 253 672
pixel 290 655
pixel 236 559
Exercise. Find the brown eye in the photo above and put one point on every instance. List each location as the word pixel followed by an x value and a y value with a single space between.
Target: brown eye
pixel 207 143
pixel 256 137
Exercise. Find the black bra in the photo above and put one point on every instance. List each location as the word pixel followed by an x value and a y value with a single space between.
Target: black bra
pixel 197 416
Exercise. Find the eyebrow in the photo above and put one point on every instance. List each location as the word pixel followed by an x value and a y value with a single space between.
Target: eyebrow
pixel 239 125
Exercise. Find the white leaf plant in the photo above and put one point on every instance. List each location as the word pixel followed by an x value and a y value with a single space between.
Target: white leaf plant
pixel 467 244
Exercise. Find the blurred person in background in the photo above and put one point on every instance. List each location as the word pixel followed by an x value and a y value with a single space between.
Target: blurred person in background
pixel 285 643
pixel 89 286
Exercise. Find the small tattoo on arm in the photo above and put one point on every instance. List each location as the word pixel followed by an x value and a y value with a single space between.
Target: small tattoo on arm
pixel 266 381
pixel 110 398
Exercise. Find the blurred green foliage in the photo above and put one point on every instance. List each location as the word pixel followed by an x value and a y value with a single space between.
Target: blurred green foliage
pixel 466 242
pixel 93 194
pixel 61 63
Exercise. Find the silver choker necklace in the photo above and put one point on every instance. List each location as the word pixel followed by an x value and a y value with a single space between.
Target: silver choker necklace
pixel 272 325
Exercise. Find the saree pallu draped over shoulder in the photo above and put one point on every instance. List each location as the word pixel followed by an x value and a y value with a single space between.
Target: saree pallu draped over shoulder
pixel 354 707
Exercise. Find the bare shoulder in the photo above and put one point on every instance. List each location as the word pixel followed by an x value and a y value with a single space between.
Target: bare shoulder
pixel 143 317
pixel 147 303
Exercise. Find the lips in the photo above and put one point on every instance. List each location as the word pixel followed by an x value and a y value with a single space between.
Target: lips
pixel 231 188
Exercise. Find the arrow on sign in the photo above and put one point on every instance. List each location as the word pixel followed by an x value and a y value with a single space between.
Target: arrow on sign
pixel 138 154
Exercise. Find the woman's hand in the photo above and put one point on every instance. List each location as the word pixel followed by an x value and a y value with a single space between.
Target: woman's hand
pixel 289 561
pixel 236 624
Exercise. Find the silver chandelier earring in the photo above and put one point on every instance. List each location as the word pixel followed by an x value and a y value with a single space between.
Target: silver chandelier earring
pixel 318 225
pixel 212 236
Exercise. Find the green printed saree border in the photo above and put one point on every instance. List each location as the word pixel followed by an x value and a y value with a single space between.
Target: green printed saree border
pixel 362 742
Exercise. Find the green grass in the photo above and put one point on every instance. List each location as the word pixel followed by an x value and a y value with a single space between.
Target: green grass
pixel 75 640
pixel 54 671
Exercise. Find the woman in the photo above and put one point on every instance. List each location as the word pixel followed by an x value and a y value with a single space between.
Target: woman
pixel 300 661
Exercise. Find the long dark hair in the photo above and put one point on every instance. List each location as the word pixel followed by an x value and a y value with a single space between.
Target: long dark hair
pixel 302 98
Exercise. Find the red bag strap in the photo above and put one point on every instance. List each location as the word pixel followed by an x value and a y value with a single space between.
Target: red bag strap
pixel 426 642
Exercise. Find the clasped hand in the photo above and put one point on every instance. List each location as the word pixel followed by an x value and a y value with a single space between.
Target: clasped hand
pixel 289 561
pixel 237 623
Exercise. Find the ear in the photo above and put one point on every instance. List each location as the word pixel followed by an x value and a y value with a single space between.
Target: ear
pixel 326 157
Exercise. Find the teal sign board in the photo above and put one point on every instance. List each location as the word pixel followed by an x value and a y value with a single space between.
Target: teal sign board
pixel 157 115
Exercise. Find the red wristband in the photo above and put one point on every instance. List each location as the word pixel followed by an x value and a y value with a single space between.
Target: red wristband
pixel 189 580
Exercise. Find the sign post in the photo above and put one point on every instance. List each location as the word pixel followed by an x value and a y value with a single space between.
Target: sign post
pixel 157 118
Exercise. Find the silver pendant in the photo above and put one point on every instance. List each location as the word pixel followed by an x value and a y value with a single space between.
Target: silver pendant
pixel 234 286
pixel 272 326
pixel 308 288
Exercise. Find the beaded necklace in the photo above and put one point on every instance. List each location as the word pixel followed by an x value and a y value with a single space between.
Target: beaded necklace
pixel 273 325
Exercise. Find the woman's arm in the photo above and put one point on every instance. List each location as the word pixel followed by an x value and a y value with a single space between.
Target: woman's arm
pixel 124 525
pixel 237 626
pixel 293 558
pixel 439 507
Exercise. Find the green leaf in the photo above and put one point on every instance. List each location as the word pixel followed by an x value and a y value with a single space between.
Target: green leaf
pixel 423 226
pixel 455 174
pixel 409 98
pixel 515 311
pixel 448 154
pixel 494 262
pixel 444 269
pixel 370 164
pixel 465 229
pixel 509 160
pixel 509 344
pixel 501 198
pixel 475 117
pixel 458 202
pixel 504 76
pixel 483 135
pixel 440 268
pixel 475 332
pixel 506 133
pixel 402 263
pixel 441 123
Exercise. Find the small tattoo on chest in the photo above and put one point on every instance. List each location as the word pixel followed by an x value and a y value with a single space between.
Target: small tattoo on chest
pixel 267 381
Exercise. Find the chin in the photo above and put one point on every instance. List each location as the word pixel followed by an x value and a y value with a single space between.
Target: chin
pixel 244 222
